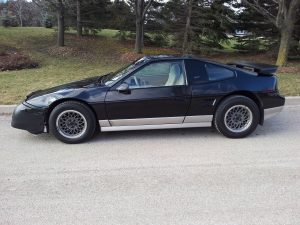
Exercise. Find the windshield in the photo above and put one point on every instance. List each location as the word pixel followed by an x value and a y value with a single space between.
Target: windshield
pixel 112 77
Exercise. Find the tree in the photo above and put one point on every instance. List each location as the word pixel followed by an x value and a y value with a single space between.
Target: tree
pixel 60 23
pixel 78 12
pixel 259 35
pixel 87 15
pixel 7 16
pixel 140 13
pixel 197 24
pixel 59 7
pixel 18 7
pixel 122 16
pixel 282 14
pixel 185 47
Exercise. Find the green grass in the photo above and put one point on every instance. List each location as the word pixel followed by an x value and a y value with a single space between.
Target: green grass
pixel 289 83
pixel 108 33
pixel 15 85
pixel 53 70
pixel 80 58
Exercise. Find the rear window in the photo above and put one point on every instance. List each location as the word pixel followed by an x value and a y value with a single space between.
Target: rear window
pixel 216 72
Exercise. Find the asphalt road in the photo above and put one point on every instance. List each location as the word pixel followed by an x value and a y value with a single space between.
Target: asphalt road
pixel 184 177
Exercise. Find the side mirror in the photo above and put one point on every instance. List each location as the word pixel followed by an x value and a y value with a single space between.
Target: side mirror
pixel 123 88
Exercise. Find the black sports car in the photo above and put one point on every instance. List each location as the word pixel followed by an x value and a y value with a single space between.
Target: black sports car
pixel 156 92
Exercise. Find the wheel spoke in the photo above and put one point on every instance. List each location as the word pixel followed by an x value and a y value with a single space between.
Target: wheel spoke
pixel 71 124
pixel 238 118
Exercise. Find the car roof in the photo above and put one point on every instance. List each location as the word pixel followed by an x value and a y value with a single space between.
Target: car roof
pixel 168 57
pixel 178 56
pixel 148 58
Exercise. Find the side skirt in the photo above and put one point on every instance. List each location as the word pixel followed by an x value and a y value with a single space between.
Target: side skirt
pixel 153 127
pixel 156 123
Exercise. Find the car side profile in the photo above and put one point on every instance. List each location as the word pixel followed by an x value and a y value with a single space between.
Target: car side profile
pixel 156 92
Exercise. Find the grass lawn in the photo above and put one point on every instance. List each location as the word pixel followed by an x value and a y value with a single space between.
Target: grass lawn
pixel 82 58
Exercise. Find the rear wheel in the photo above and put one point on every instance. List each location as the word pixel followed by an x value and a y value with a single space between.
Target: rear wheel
pixel 237 117
pixel 72 122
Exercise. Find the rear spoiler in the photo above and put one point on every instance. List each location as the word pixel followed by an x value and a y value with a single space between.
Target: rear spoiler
pixel 259 68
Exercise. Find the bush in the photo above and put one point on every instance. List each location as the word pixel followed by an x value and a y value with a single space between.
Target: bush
pixel 15 61
pixel 249 44
pixel 90 31
pixel 159 40
pixel 48 23
pixel 123 35
pixel 8 21
pixel 148 39
pixel 5 22
pixel 294 48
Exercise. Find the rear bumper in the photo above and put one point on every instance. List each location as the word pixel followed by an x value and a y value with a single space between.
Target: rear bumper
pixel 277 104
pixel 269 113
pixel 28 118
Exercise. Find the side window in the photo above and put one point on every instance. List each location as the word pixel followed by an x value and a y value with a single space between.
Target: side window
pixel 216 72
pixel 195 70
pixel 157 75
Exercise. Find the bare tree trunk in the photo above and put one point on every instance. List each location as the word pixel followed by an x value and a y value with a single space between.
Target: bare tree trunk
pixel 139 26
pixel 286 32
pixel 140 13
pixel 20 13
pixel 139 37
pixel 61 24
pixel 79 25
pixel 21 20
pixel 18 8
pixel 284 21
pixel 185 45
pixel 285 37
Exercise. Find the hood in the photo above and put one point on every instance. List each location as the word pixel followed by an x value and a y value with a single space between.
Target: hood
pixel 86 83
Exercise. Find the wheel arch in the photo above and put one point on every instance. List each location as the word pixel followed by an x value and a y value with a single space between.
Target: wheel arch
pixel 59 101
pixel 250 95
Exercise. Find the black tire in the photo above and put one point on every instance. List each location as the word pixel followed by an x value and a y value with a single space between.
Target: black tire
pixel 227 126
pixel 85 122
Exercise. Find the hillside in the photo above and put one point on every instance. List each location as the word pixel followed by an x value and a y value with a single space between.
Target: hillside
pixel 89 56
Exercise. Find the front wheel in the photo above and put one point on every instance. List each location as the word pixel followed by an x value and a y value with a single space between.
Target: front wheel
pixel 237 117
pixel 72 122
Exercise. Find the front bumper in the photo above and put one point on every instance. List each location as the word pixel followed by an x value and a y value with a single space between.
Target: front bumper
pixel 27 117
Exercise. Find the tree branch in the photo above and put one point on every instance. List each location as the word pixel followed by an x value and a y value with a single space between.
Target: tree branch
pixel 294 4
pixel 262 10
pixel 37 2
pixel 146 9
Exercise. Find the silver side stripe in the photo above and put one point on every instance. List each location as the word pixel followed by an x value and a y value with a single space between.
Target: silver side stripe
pixel 156 123
pixel 147 121
pixel 268 113
pixel 152 127
pixel 104 123
pixel 198 119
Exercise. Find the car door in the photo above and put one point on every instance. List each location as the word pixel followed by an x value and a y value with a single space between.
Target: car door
pixel 156 94
pixel 209 83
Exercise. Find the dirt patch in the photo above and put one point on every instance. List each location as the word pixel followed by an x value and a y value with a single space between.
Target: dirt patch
pixel 68 51
pixel 15 61
pixel 290 69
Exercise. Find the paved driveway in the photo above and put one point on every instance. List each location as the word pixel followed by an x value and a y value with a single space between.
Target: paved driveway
pixel 186 177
